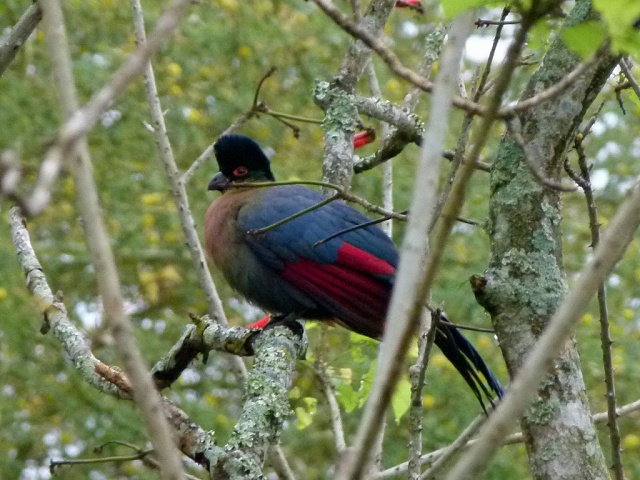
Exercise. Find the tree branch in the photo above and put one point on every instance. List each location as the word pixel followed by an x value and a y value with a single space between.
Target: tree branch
pixel 191 439
pixel 145 395
pixel 392 61
pixel 266 404
pixel 19 34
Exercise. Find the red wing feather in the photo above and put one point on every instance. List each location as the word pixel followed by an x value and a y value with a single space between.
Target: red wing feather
pixel 351 289
pixel 358 259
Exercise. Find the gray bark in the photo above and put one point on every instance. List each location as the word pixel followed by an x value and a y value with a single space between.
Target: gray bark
pixel 525 281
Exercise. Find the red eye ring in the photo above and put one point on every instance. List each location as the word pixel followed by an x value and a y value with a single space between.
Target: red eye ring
pixel 240 172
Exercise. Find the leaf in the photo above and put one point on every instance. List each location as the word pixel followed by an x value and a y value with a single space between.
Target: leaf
pixel 401 398
pixel 585 38
pixel 366 383
pixel 347 397
pixel 619 16
pixel 304 418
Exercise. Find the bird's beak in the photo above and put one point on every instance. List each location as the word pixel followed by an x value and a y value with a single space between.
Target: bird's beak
pixel 219 182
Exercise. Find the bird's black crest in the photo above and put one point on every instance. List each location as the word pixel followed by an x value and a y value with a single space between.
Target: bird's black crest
pixel 233 151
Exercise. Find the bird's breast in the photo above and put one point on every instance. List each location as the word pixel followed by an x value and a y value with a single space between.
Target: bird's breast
pixel 223 239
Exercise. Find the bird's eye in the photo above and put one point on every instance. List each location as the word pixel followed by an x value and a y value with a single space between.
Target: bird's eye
pixel 240 172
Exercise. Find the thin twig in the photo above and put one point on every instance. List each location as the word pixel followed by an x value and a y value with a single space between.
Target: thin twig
pixel 538 175
pixel 257 108
pixel 165 151
pixel 334 408
pixel 625 66
pixel 208 152
pixel 338 189
pixel 417 374
pixel 456 446
pixel 91 461
pixel 550 93
pixel 180 195
pixel 481 22
pixel 387 167
pixel 279 223
pixel 482 84
pixel 605 333
pixel 353 228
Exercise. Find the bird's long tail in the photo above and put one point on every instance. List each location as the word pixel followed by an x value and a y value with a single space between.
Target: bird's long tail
pixel 467 360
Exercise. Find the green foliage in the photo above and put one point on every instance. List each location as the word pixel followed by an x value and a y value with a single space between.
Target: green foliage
pixel 620 16
pixel 585 38
pixel 455 7
pixel 401 399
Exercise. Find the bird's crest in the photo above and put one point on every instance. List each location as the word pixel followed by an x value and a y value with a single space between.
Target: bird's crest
pixel 240 156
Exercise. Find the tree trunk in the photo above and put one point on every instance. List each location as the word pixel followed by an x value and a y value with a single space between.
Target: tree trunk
pixel 525 280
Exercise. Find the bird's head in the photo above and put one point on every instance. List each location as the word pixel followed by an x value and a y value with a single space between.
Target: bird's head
pixel 240 159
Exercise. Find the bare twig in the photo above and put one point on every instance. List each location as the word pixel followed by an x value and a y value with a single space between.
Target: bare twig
pixel 19 34
pixel 138 455
pixel 256 108
pixel 173 175
pixel 326 201
pixel 208 152
pixel 339 191
pixel 178 183
pixel 539 176
pixel 417 374
pixel 551 92
pixel 605 333
pixel 455 447
pixel 351 229
pixel 334 408
pixel 481 22
pixel 387 167
pixel 614 243
pixel 145 395
pixel 482 84
pixel 625 66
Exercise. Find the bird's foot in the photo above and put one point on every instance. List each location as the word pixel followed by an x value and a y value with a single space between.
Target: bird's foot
pixel 289 320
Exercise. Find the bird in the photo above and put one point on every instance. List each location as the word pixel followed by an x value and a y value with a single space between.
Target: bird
pixel 301 268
